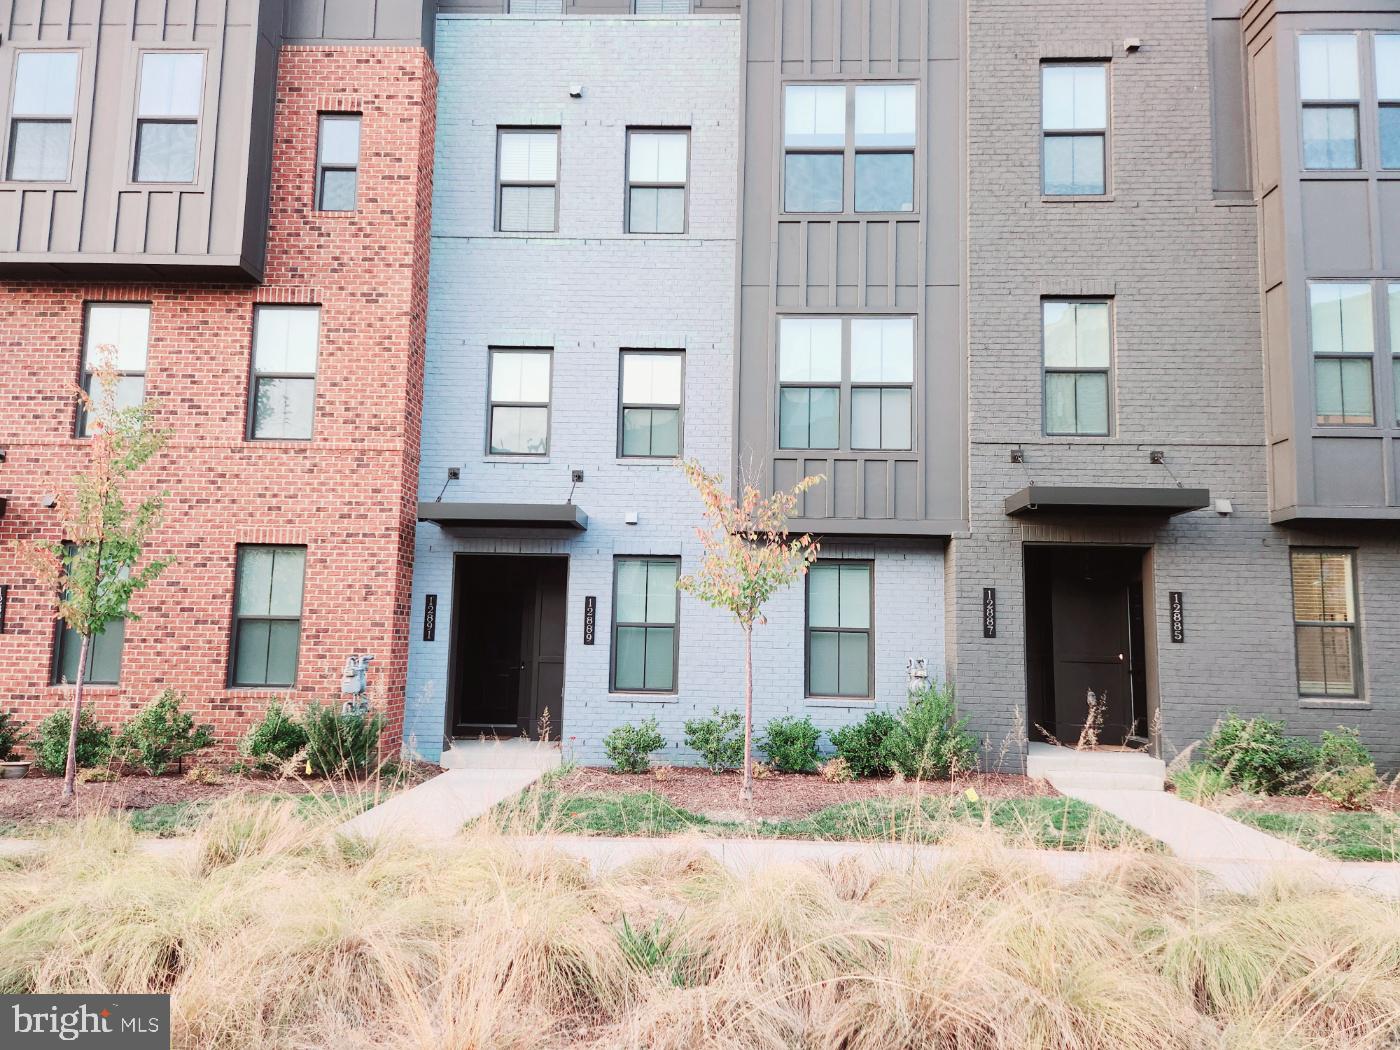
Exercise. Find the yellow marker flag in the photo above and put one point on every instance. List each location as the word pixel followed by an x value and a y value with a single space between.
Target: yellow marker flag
pixel 971 795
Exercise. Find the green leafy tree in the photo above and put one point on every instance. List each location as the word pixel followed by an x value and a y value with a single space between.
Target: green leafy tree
pixel 748 557
pixel 99 562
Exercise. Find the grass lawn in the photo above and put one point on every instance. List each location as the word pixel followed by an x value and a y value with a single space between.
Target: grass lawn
pixel 1344 836
pixel 1045 822
pixel 172 819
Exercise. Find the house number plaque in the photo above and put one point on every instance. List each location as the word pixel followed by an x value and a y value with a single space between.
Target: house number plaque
pixel 590 618
pixel 1178 618
pixel 989 612
pixel 430 617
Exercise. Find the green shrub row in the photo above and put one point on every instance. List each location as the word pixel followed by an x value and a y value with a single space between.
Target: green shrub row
pixel 161 736
pixel 925 740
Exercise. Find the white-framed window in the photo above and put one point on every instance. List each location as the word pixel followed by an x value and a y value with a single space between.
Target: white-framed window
pixel 43 102
pixel 115 335
pixel 645 632
pixel 840 619
pixel 1078 350
pixel 337 161
pixel 527 184
pixel 652 384
pixel 863 135
pixel 170 98
pixel 519 402
pixel 286 345
pixel 1341 332
pixel 1329 87
pixel 658 163
pixel 1074 129
pixel 1324 622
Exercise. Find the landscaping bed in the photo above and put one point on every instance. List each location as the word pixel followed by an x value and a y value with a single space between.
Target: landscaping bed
pixel 1323 827
pixel 1025 812
pixel 172 805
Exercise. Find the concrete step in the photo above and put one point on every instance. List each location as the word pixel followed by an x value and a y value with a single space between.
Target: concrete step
pixel 1067 769
pixel 502 754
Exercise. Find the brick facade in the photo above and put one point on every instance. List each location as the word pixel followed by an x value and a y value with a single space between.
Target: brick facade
pixel 347 495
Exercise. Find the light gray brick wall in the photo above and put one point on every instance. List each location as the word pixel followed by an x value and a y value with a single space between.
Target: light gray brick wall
pixel 587 292
pixel 1188 378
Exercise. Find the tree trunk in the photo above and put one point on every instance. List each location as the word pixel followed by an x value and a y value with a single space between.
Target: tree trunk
pixel 70 769
pixel 746 792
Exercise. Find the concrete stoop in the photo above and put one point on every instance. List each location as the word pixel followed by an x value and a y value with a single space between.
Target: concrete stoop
pixel 1069 770
pixel 516 753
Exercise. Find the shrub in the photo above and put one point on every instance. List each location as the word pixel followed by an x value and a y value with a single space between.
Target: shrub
pixel 1256 754
pixel 629 747
pixel 862 745
pixel 51 744
pixel 791 744
pixel 338 743
pixel 161 735
pixel 837 771
pixel 1345 772
pixel 1200 783
pixel 276 738
pixel 929 741
pixel 719 740
pixel 12 735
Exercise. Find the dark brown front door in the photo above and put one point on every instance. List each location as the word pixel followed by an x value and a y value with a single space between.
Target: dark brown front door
pixel 507 663
pixel 1084 629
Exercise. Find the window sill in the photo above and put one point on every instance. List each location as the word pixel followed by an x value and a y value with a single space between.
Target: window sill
pixel 644 698
pixel 848 216
pixel 1330 703
pixel 523 457
pixel 647 461
pixel 253 691
pixel 100 687
pixel 277 442
pixel 337 213
pixel 1090 198
pixel 840 701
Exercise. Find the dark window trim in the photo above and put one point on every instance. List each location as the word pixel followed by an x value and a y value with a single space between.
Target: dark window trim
pixel 848 150
pixel 1105 133
pixel 1107 372
pixel 675 626
pixel 322 167
pixel 14 117
pixel 138 120
pixel 1371 357
pixel 623 405
pixel 807 629
pixel 503 130
pixel 684 186
pixel 1354 105
pixel 80 418
pixel 254 375
pixel 235 619
pixel 1358 667
pixel 492 405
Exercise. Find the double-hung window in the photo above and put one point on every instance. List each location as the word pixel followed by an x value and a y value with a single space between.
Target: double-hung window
pixel 869 130
pixel 644 625
pixel 1393 297
pixel 1388 94
pixel 882 382
pixel 809 382
pixel 840 595
pixel 527 180
pixel 662 7
pixel 169 102
pixel 115 339
pixel 657 164
pixel 1342 335
pixel 536 7
pixel 1074 129
pixel 286 343
pixel 519 408
pixel 1330 90
pixel 104 658
pixel 650 423
pixel 41 116
pixel 1078 355
pixel 267 615
pixel 337 161
pixel 1324 623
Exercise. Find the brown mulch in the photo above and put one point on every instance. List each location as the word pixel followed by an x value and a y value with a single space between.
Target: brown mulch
pixel 1387 801
pixel 39 799
pixel 787 796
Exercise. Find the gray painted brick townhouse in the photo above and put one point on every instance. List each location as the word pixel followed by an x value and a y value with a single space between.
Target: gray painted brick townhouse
pixel 1089 314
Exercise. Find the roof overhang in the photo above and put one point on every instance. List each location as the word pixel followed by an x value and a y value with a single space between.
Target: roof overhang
pixel 1105 500
pixel 566 516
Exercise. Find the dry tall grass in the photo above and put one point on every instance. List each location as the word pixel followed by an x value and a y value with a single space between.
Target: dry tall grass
pixel 270 935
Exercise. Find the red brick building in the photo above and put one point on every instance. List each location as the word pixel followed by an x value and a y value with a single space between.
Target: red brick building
pixel 288 374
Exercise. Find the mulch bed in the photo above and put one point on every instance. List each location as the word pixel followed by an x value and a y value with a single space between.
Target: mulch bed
pixel 787 796
pixel 1386 801
pixel 39 799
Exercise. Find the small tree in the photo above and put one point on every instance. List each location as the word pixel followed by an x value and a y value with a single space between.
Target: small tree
pixel 94 568
pixel 748 557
